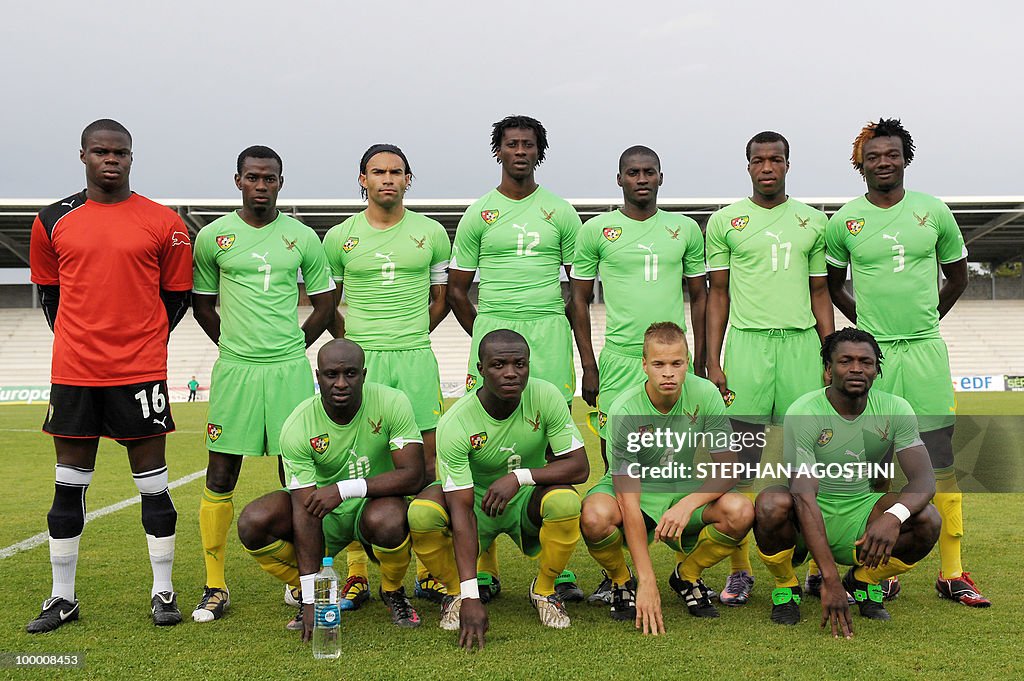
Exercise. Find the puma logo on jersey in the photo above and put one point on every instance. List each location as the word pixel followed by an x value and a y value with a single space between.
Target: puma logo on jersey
pixel 777 237
pixel 693 416
pixel 521 228
pixel 852 454
pixel 508 450
pixel 535 422
pixel 262 257
pixel 802 222
pixel 69 204
pixel 921 220
pixel 674 234
pixel 375 426
pixel 649 249
pixel 162 422
pixel 386 256
pixel 419 242
pixel 894 237
pixel 548 215
pixel 288 244
pixel 180 239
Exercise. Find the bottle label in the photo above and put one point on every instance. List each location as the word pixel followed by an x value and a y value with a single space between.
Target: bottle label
pixel 327 615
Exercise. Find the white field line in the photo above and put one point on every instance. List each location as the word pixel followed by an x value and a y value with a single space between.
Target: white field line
pixel 41 538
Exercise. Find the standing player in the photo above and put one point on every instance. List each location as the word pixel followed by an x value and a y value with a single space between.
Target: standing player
pixel 495 478
pixel 766 263
pixel 892 238
pixel 251 258
pixel 392 264
pixel 112 269
pixel 351 455
pixel 838 518
pixel 518 236
pixel 641 253
pixel 703 517
pixel 193 386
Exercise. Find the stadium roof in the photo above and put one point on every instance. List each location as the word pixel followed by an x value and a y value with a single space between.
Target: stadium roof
pixel 993 226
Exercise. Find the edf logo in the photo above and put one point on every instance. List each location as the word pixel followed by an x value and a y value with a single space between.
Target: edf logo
pixel 975 383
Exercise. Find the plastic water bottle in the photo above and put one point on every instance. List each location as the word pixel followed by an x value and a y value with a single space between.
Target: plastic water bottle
pixel 326 645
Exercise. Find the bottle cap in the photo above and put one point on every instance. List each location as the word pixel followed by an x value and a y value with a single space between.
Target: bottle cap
pixel 328 561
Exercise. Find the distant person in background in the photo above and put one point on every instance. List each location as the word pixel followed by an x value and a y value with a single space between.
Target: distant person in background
pixel 895 240
pixel 113 270
pixel 251 258
pixel 193 386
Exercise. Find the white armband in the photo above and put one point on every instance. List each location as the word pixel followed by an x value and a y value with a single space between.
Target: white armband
pixel 900 511
pixel 470 589
pixel 524 476
pixel 352 489
pixel 308 596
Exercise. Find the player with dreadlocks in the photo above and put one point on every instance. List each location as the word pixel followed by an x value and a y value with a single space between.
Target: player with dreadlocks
pixel 393 265
pixel 891 238
pixel 839 518
pixel 519 236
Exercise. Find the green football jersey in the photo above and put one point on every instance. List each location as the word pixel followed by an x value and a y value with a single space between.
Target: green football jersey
pixel 317 451
pixel 642 267
pixel 816 433
pixel 387 274
pixel 770 253
pixel 519 248
pixel 474 450
pixel 255 272
pixel 696 421
pixel 893 253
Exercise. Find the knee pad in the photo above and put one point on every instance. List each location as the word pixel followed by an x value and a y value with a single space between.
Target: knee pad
pixel 66 518
pixel 159 516
pixel 427 516
pixel 560 504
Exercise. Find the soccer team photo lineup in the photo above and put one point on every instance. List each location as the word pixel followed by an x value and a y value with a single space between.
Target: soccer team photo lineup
pixel 724 419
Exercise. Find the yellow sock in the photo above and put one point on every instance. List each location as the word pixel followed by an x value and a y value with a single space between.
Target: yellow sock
pixel 278 559
pixel 781 567
pixel 875 575
pixel 739 559
pixel 355 556
pixel 393 565
pixel 559 534
pixel 488 560
pixel 432 541
pixel 421 570
pixel 812 568
pixel 712 547
pixel 949 502
pixel 216 510
pixel 609 555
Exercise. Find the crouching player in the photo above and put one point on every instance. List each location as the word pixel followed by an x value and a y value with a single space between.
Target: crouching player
pixel 495 479
pixel 701 518
pixel 839 519
pixel 350 455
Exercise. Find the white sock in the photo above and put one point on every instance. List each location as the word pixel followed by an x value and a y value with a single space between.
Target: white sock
pixel 63 563
pixel 161 557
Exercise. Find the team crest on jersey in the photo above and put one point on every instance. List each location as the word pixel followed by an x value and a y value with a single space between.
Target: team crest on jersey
pixel 470 382
pixel 375 426
pixel 549 215
pixel 289 245
pixel 693 416
pixel 479 440
pixel 674 234
pixel 740 223
pixel 612 233
pixel 225 241
pixel 649 428
pixel 729 397
pixel 320 443
pixel 855 225
pixel 802 222
pixel 350 243
pixel 489 216
pixel 824 437
pixel 419 242
pixel 883 433
pixel 213 431
pixel 922 221
pixel 602 419
pixel 535 421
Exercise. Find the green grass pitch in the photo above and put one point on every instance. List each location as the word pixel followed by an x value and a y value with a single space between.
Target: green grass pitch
pixel 927 638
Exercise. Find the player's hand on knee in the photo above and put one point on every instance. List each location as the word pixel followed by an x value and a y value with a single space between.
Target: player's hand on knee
pixel 648 609
pixel 323 501
pixel 835 609
pixel 878 540
pixel 499 494
pixel 589 386
pixel 672 524
pixel 473 624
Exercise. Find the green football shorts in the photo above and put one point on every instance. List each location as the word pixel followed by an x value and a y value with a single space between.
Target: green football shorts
pixel 918 371
pixel 250 402
pixel 341 526
pixel 415 373
pixel 768 369
pixel 513 521
pixel 846 517
pixel 654 505
pixel 550 341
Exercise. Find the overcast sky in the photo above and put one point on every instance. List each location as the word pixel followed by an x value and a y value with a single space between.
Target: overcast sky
pixel 196 82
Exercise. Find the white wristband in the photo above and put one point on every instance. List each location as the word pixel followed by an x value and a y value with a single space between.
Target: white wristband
pixel 900 511
pixel 470 589
pixel 352 489
pixel 308 594
pixel 524 476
